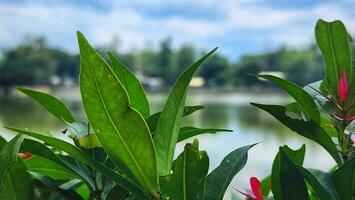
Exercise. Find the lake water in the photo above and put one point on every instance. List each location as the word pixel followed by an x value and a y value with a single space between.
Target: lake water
pixel 229 110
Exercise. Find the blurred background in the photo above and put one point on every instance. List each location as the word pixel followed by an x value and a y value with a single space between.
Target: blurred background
pixel 158 40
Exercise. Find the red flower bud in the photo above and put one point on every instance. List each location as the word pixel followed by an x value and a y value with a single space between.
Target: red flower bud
pixel 343 87
pixel 26 155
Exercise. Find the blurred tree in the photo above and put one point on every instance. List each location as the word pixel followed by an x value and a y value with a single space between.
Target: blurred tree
pixel 147 62
pixel 165 62
pixel 185 56
pixel 215 70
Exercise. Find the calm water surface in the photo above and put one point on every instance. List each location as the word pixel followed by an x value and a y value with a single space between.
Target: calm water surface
pixel 224 110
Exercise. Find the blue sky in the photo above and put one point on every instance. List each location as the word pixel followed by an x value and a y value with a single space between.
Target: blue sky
pixel 237 27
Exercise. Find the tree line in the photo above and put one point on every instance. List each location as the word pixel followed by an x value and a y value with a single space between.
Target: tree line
pixel 34 62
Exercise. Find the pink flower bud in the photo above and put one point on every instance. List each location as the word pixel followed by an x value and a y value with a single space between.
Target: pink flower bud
pixel 343 87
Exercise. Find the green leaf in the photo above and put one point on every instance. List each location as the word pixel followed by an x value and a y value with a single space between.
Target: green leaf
pixel 188 132
pixel 188 177
pixel 301 96
pixel 120 129
pixel 265 186
pixel 117 193
pixel 50 168
pixel 287 181
pixel 137 97
pixel 8 155
pixel 153 120
pixel 218 180
pixel 308 129
pixel 51 103
pixel 321 183
pixel 344 180
pixel 333 41
pixel 89 142
pixel 48 182
pixel 18 184
pixel 167 131
pixel 81 156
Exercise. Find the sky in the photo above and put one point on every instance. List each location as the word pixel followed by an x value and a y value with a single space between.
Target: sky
pixel 237 27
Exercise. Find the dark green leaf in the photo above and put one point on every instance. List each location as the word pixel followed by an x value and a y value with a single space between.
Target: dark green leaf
pixel 18 184
pixel 51 103
pixel 81 156
pixel 218 180
pixel 301 96
pixel 308 129
pixel 167 131
pixel 188 132
pixel 8 155
pixel 287 181
pixel 333 41
pixel 153 120
pixel 48 182
pixel 344 180
pixel 137 97
pixel 188 177
pixel 117 193
pixel 120 129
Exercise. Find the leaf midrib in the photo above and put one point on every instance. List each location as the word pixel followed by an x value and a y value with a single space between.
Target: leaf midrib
pixel 146 180
pixel 332 52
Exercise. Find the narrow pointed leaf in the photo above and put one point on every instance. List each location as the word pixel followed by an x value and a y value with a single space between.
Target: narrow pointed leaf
pixel 120 129
pixel 344 180
pixel 287 181
pixel 17 184
pixel 308 129
pixel 137 97
pixel 51 103
pixel 188 132
pixel 333 41
pixel 167 131
pixel 81 156
pixel 188 177
pixel 153 119
pixel 8 155
pixel 301 96
pixel 219 179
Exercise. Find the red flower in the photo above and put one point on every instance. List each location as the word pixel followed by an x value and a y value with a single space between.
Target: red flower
pixel 255 192
pixel 343 87
pixel 26 155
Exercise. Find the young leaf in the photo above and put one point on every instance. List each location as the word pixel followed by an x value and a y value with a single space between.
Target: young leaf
pixel 81 156
pixel 333 41
pixel 218 180
pixel 167 132
pixel 265 186
pixel 51 103
pixel 189 173
pixel 287 182
pixel 17 184
pixel 308 129
pixel 137 97
pixel 8 155
pixel 153 119
pixel 301 96
pixel 344 180
pixel 188 132
pixel 120 129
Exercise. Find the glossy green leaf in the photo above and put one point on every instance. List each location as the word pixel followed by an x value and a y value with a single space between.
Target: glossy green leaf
pixel 17 184
pixel 344 180
pixel 321 183
pixel 51 103
pixel 188 176
pixel 121 130
pixel 153 120
pixel 301 96
pixel 219 179
pixel 167 131
pixel 137 97
pixel 81 156
pixel 48 182
pixel 287 181
pixel 188 132
pixel 333 41
pixel 308 129
pixel 39 149
pixel 49 168
pixel 8 155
